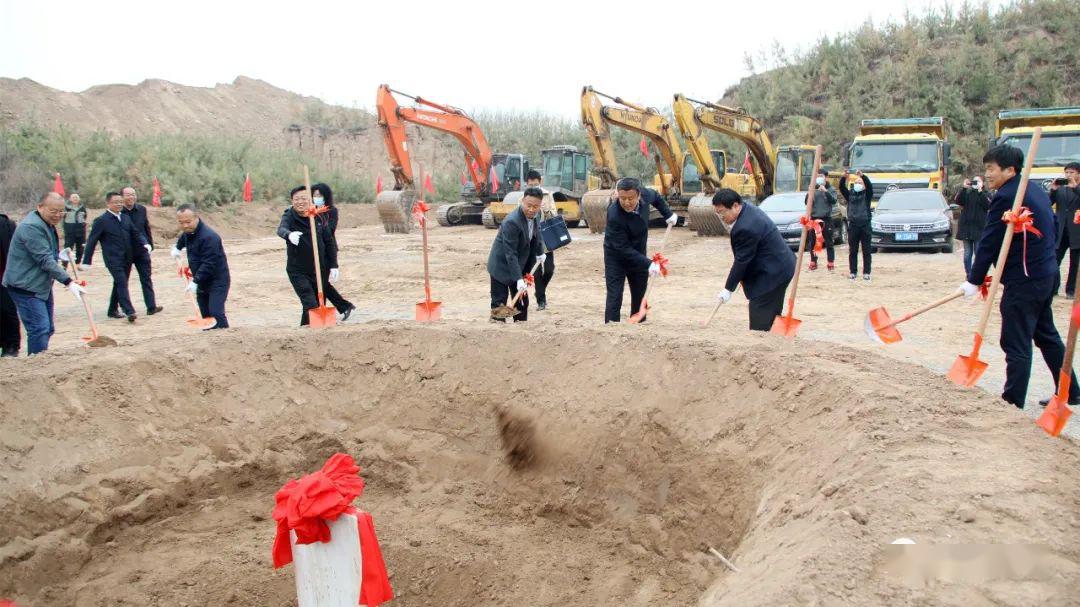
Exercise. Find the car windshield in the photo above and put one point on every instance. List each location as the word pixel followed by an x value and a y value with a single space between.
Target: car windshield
pixel 1055 149
pixel 930 201
pixel 895 157
pixel 781 204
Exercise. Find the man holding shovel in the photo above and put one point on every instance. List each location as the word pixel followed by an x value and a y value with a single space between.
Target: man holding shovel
pixel 1028 276
pixel 207 262
pixel 625 239
pixel 300 260
pixel 764 264
pixel 515 250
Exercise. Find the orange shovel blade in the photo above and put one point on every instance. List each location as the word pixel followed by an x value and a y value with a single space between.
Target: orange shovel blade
pixel 640 315
pixel 1055 416
pixel 207 322
pixel 966 370
pixel 875 320
pixel 787 326
pixel 323 316
pixel 428 311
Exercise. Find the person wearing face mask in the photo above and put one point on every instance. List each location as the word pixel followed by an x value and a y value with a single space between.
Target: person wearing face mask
pixel 821 210
pixel 324 198
pixel 858 217
pixel 974 202
pixel 295 229
pixel 1066 199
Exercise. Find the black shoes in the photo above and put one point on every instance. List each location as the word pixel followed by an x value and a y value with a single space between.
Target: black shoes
pixel 132 317
pixel 154 310
pixel 6 352
pixel 347 313
pixel 541 305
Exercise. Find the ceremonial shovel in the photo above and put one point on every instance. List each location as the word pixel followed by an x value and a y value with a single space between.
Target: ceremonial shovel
pixel 426 309
pixel 321 315
pixel 788 325
pixel 94 340
pixel 508 310
pixel 644 309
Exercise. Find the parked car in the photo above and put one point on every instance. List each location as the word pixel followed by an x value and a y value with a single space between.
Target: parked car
pixel 785 210
pixel 913 219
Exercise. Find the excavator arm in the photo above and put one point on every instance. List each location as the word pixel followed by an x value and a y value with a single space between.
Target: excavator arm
pixel 699 145
pixel 592 118
pixel 735 122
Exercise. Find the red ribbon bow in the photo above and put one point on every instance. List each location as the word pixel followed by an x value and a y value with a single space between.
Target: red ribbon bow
pixel 815 225
pixel 314 211
pixel 305 504
pixel 418 210
pixel 1023 222
pixel 186 272
pixel 529 280
pixel 984 288
pixel 81 283
pixel 661 261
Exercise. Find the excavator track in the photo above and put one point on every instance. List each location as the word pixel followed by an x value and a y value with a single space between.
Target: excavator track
pixel 702 217
pixel 395 210
pixel 594 204
pixel 488 219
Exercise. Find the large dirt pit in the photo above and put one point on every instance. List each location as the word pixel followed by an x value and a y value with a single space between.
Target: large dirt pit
pixel 645 453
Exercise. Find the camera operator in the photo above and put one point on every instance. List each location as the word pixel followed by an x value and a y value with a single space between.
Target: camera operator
pixel 975 203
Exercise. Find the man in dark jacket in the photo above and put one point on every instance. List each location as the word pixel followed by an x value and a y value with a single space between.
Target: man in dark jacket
pixel 859 214
pixel 10 335
pixel 207 262
pixel 74 226
pixel 975 202
pixel 821 209
pixel 625 238
pixel 1066 199
pixel 514 251
pixel 323 200
pixel 119 239
pixel 1028 276
pixel 764 264
pixel 141 255
pixel 295 229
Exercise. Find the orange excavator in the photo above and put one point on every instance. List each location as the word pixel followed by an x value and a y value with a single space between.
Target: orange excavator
pixel 395 205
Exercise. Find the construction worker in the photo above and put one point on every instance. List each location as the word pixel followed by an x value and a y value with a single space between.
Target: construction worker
pixel 295 229
pixel 514 251
pixel 323 197
pixel 1065 194
pixel 31 267
pixel 118 238
pixel 821 210
pixel 858 218
pixel 547 270
pixel 141 259
pixel 10 335
pixel 764 264
pixel 1028 276
pixel 625 238
pixel 208 264
pixel 74 226
pixel 975 202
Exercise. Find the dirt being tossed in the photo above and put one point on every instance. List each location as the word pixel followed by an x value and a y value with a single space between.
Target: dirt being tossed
pixel 518 435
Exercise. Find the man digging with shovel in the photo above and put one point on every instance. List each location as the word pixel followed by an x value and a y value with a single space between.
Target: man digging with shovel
pixel 207 263
pixel 516 249
pixel 295 229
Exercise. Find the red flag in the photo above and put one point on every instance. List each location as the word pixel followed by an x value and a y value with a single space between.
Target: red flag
pixel 746 166
pixel 378 185
pixel 247 188
pixel 644 147
pixel 156 201
pixel 58 186
pixel 427 184
pixel 465 180
pixel 494 181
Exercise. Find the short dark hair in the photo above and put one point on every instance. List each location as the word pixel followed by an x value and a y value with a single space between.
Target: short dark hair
pixel 533 174
pixel 726 197
pixel 187 206
pixel 1073 166
pixel 534 192
pixel 109 195
pixel 1005 156
pixel 299 188
pixel 628 183
pixel 327 194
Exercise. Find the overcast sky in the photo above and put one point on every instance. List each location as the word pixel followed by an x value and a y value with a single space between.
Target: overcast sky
pixel 472 54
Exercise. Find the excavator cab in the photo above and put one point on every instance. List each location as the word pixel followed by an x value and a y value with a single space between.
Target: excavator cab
pixel 692 178
pixel 794 169
pixel 564 178
pixel 565 168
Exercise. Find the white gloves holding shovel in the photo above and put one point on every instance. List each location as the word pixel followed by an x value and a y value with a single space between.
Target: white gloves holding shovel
pixel 294 238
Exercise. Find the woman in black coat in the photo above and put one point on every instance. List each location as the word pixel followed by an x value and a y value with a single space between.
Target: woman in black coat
pixel 322 195
pixel 975 203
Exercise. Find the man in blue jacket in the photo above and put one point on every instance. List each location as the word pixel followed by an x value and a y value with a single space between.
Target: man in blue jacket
pixel 764 264
pixel 118 238
pixel 141 255
pixel 625 238
pixel 207 262
pixel 1028 277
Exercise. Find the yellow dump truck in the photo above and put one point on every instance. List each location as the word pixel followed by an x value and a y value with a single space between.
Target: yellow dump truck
pixel 901 153
pixel 1060 143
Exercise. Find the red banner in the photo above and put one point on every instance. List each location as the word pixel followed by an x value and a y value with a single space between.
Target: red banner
pixel 156 201
pixel 247 188
pixel 58 186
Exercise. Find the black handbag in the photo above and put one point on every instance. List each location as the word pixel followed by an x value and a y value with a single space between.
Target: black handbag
pixel 554 233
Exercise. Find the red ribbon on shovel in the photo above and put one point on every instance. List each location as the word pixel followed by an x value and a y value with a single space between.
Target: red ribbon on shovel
pixel 529 280
pixel 1023 222
pixel 418 210
pixel 816 225
pixel 660 260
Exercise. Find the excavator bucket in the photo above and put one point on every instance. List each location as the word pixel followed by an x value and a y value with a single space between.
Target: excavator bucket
pixel 594 204
pixel 702 217
pixel 395 210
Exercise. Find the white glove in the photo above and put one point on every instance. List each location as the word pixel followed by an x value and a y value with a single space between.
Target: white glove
pixel 294 237
pixel 723 296
pixel 541 258
pixel 192 288
pixel 334 274
pixel 65 255
pixel 654 270
pixel 674 219
pixel 175 252
pixel 969 289
pixel 149 249
pixel 84 267
pixel 521 286
pixel 76 289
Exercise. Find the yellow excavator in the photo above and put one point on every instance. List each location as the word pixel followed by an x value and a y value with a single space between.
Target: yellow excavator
pixel 564 175
pixel 596 118
pixel 774 169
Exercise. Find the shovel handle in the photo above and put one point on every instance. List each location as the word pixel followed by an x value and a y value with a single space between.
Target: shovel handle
pixel 926 308
pixel 713 315
pixel 805 230
pixel 522 292
pixel 82 298
pixel 314 240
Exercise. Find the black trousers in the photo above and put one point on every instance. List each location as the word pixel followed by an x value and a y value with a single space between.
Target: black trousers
pixel 765 308
pixel 499 294
pixel 74 239
pixel 120 298
pixel 858 237
pixel 547 271
pixel 334 297
pixel 1026 317
pixel 211 299
pixel 615 275
pixel 10 333
pixel 142 266
pixel 308 292
pixel 826 234
pixel 1074 263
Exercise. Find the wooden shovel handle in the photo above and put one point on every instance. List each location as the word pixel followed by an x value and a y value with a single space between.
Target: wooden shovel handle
pixel 522 292
pixel 926 308
pixel 314 238
pixel 805 230
pixel 713 315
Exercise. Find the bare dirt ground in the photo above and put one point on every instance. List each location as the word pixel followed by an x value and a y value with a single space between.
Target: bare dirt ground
pixel 144 474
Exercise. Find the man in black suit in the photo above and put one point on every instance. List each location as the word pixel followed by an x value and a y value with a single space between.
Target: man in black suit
pixel 764 264
pixel 141 259
pixel 295 229
pixel 625 238
pixel 118 238
pixel 514 252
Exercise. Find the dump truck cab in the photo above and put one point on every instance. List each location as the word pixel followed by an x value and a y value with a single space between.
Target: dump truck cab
pixel 900 154
pixel 1060 142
